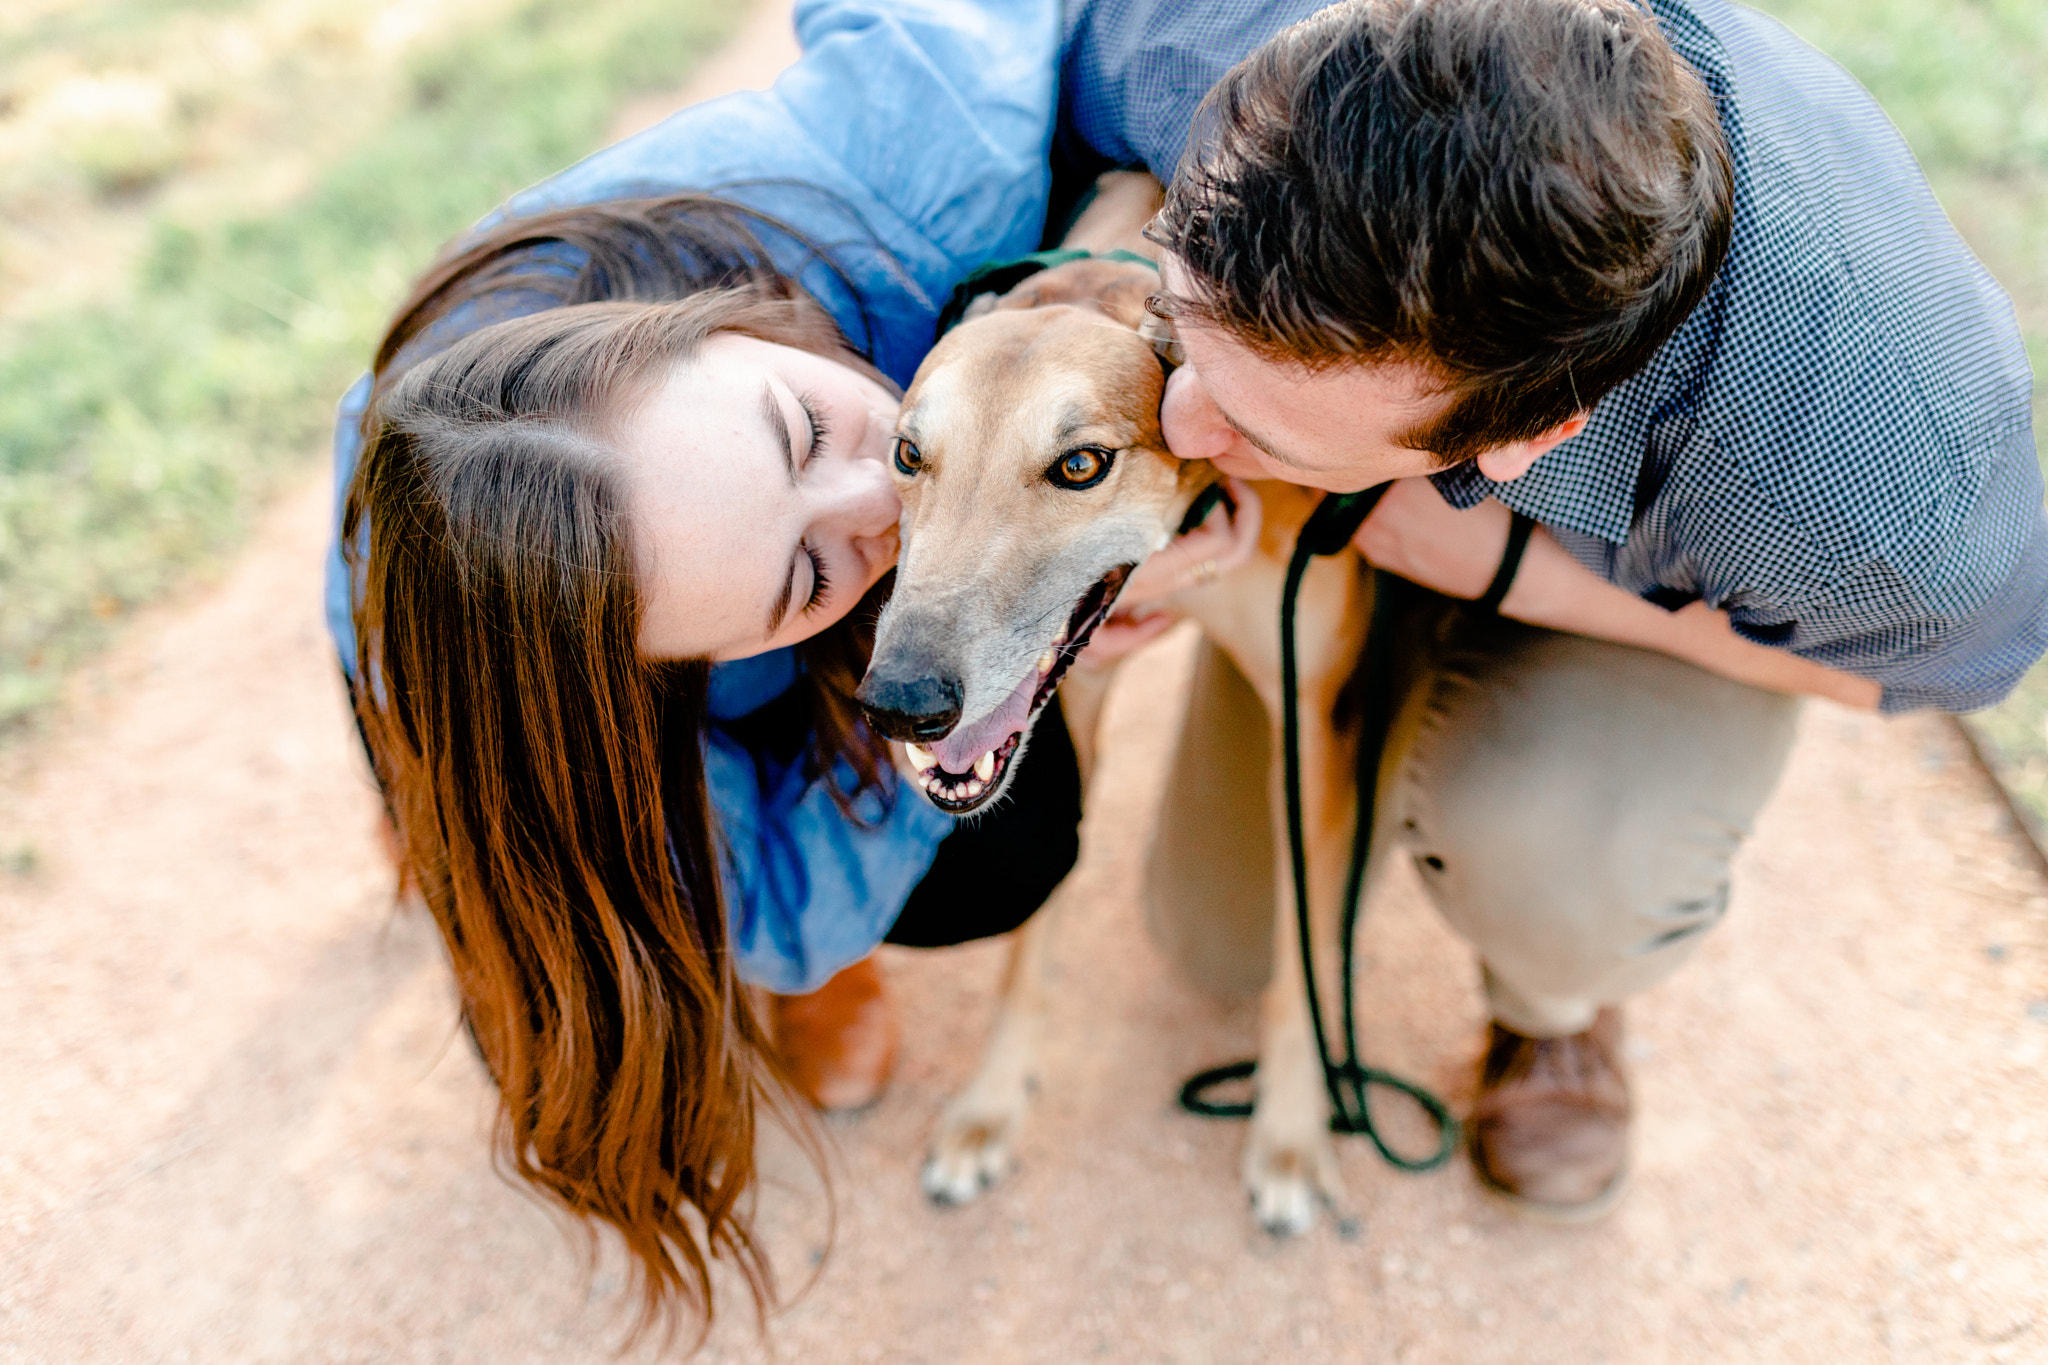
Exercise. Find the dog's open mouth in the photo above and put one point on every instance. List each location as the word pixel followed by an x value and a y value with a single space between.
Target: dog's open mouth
pixel 966 769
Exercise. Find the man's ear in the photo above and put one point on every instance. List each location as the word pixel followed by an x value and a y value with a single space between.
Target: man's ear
pixel 1504 464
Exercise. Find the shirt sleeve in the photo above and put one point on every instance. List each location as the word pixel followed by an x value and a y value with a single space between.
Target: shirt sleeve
pixel 1953 629
pixel 809 892
pixel 910 139
pixel 1133 71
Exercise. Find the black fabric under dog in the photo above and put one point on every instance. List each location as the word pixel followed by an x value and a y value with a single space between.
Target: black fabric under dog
pixel 992 873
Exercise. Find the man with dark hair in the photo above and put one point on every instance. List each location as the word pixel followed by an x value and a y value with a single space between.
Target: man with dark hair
pixel 1662 281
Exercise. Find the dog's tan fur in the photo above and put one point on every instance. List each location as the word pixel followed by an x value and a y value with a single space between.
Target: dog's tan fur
pixel 1055 364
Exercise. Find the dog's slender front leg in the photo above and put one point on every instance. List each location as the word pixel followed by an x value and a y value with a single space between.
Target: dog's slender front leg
pixel 1083 694
pixel 1290 1164
pixel 976 1140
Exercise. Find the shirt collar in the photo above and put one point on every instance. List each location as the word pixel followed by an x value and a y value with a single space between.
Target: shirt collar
pixel 739 687
pixel 1586 484
pixel 1591 483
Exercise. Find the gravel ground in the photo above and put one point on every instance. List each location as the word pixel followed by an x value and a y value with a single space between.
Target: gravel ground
pixel 240 1125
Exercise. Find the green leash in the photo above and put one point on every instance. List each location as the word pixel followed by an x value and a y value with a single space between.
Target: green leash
pixel 1348 1080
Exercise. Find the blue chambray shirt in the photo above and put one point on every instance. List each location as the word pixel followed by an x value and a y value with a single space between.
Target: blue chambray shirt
pixel 1836 448
pixel 926 126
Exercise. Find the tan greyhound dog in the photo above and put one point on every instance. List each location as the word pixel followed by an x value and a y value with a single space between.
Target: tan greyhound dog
pixel 1035 480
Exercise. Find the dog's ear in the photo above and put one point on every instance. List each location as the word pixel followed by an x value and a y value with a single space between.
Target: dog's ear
pixel 1125 300
pixel 1118 288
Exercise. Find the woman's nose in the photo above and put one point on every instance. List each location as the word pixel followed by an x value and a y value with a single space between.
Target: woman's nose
pixel 864 498
pixel 1192 423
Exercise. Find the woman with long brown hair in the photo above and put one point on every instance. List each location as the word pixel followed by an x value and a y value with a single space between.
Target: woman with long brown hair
pixel 614 514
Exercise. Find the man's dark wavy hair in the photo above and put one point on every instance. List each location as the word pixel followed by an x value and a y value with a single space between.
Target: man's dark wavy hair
pixel 1526 197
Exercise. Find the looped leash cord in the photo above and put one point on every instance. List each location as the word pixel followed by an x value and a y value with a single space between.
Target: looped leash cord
pixel 1348 1080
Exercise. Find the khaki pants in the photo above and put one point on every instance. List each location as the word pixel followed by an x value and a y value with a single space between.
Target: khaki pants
pixel 1572 807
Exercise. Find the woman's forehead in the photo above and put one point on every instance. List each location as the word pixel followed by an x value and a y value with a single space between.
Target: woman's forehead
pixel 708 489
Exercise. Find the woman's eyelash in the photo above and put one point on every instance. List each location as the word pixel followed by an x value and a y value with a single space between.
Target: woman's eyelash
pixel 814 413
pixel 821 582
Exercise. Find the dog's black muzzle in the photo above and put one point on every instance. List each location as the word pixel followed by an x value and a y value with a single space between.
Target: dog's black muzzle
pixel 916 708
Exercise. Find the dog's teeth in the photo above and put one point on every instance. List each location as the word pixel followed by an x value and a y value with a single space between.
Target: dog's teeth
pixel 973 790
pixel 985 766
pixel 1062 638
pixel 920 757
pixel 1046 661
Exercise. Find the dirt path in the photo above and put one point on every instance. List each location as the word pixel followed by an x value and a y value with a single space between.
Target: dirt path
pixel 238 1126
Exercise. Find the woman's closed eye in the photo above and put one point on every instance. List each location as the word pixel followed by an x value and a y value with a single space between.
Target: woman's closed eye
pixel 814 414
pixel 821 428
pixel 821 582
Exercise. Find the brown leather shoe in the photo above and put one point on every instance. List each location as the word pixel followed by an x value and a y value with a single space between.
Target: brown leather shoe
pixel 839 1042
pixel 1550 1128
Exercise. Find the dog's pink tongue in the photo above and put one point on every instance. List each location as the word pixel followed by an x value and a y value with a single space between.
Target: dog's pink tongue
pixel 958 751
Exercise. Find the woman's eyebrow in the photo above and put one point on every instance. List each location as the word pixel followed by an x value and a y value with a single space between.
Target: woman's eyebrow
pixel 778 427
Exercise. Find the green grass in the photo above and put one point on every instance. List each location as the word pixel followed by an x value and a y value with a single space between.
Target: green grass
pixel 137 435
pixel 1966 81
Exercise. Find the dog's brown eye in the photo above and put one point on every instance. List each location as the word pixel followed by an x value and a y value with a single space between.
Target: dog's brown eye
pixel 1082 467
pixel 909 459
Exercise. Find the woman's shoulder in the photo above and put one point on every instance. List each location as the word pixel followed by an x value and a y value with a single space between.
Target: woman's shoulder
pixel 911 137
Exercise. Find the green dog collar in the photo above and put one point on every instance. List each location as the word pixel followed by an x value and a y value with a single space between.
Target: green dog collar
pixel 1000 277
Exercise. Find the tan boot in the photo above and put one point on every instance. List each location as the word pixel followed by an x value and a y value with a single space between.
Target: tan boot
pixel 839 1042
pixel 1550 1128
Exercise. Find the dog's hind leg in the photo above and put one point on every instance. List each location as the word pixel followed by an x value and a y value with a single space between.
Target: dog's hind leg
pixel 976 1141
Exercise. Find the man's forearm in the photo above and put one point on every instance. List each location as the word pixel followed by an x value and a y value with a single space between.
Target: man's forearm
pixel 1556 591
pixel 1415 533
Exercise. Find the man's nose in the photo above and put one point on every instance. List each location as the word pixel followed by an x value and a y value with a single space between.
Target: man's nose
pixel 1192 423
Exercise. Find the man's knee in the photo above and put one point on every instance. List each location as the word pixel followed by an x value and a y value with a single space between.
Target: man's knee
pixel 1573 806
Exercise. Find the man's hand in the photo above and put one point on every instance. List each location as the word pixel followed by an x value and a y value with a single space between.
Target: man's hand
pixel 1223 541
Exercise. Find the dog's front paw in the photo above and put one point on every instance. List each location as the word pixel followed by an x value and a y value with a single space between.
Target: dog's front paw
pixel 973 1149
pixel 1288 1179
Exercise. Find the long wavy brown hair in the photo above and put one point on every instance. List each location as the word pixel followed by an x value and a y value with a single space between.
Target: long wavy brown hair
pixel 546 780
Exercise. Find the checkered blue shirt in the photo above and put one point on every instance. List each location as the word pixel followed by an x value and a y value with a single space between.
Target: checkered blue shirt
pixel 1835 448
